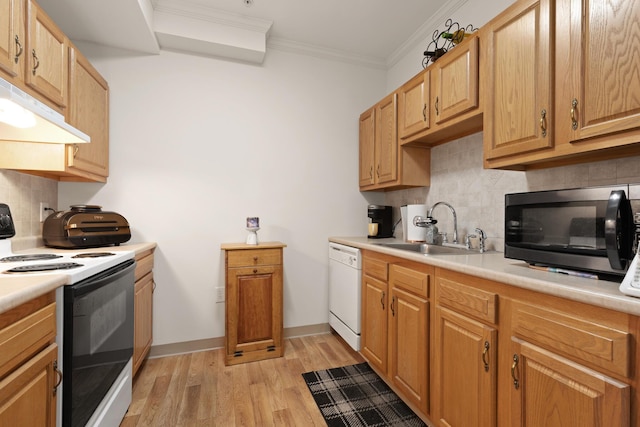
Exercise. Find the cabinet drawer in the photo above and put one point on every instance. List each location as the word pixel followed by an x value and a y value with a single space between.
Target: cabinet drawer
pixel 375 268
pixel 24 338
pixel 478 303
pixel 144 264
pixel 578 338
pixel 409 279
pixel 251 257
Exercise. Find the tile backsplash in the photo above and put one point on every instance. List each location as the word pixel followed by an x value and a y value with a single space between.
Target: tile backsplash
pixel 477 194
pixel 23 193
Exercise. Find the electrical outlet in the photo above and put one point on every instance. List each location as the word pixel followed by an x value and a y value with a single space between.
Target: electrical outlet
pixel 44 211
pixel 220 294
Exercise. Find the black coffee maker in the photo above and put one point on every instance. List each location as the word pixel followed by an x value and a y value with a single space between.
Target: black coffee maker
pixel 381 215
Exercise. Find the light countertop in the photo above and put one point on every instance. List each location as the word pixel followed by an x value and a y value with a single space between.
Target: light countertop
pixel 494 266
pixel 16 290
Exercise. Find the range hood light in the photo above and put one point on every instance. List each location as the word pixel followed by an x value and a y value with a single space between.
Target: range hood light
pixel 24 118
pixel 15 115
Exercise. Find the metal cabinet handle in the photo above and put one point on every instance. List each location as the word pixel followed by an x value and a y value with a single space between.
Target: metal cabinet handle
pixel 516 381
pixel 437 110
pixel 382 300
pixel 485 353
pixel 378 171
pixel 255 270
pixel 36 62
pixel 255 258
pixel 371 172
pixel 19 49
pixel 76 147
pixel 424 112
pixel 59 375
pixel 574 121
pixel 393 310
pixel 543 122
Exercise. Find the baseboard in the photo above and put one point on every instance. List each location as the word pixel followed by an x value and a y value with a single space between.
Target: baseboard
pixel 213 343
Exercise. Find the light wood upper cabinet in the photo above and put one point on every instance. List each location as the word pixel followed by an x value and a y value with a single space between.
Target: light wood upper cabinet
pixel 442 102
pixel 89 112
pixel 413 105
pixel 12 37
pixel 47 60
pixel 386 140
pixel 518 67
pixel 367 152
pixel 455 81
pixel 597 62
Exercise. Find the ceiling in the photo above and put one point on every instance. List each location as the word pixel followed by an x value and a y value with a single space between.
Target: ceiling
pixel 373 32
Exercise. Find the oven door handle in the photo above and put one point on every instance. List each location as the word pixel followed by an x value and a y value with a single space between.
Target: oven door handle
pixel 617 229
pixel 101 279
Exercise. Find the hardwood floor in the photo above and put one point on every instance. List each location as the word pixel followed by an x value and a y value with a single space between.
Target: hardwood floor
pixel 197 389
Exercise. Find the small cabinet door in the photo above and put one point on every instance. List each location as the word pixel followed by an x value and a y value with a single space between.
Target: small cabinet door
pixel 455 78
pixel 598 91
pixel 89 112
pixel 518 92
pixel 465 373
pixel 28 395
pixel 374 322
pixel 47 56
pixel 12 38
pixel 386 141
pixel 549 390
pixel 254 304
pixel 143 320
pixel 413 105
pixel 409 346
pixel 367 152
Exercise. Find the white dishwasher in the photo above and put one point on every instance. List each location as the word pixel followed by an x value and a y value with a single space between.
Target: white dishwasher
pixel 345 273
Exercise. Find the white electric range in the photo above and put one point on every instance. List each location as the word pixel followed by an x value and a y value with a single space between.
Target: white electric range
pixel 102 321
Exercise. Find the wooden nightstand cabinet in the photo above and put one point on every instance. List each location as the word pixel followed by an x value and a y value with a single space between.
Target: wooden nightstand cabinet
pixel 253 310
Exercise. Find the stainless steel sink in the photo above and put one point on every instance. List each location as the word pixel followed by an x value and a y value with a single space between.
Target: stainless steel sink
pixel 424 248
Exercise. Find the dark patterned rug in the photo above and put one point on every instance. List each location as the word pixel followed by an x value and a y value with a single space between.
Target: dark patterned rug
pixel 355 396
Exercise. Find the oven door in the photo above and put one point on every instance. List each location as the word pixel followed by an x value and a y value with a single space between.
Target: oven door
pixel 586 229
pixel 98 339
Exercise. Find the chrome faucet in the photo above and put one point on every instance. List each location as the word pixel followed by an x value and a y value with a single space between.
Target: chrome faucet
pixel 455 218
pixel 482 237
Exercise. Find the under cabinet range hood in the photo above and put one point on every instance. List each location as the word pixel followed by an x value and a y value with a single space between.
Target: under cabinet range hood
pixel 26 119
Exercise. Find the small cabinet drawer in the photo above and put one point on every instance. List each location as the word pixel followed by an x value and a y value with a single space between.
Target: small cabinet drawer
pixel 375 268
pixel 144 264
pixel 26 337
pixel 415 280
pixel 475 302
pixel 251 257
pixel 578 338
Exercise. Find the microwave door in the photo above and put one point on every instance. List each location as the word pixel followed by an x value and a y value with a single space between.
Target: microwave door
pixel 618 229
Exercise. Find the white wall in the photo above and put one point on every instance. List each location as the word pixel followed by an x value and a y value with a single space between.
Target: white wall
pixel 199 144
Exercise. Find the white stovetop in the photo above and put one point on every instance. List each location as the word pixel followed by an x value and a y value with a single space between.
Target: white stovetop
pixel 494 266
pixel 16 289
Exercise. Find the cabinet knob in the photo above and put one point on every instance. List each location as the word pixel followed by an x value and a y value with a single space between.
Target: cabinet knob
pixel 255 258
pixel 255 270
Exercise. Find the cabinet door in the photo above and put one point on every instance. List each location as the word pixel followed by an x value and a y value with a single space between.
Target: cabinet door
pixel 464 371
pixel 455 77
pixel 47 56
pixel 413 105
pixel 548 390
pixel 12 37
pixel 374 322
pixel 409 346
pixel 143 320
pixel 518 93
pixel 28 395
pixel 254 304
pixel 89 112
pixel 598 58
pixel 367 152
pixel 386 140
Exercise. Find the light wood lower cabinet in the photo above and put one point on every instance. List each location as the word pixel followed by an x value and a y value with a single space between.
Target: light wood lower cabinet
pixel 395 325
pixel 143 308
pixel 253 310
pixel 28 364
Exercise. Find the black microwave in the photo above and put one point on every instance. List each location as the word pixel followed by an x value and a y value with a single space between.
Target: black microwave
pixel 586 229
